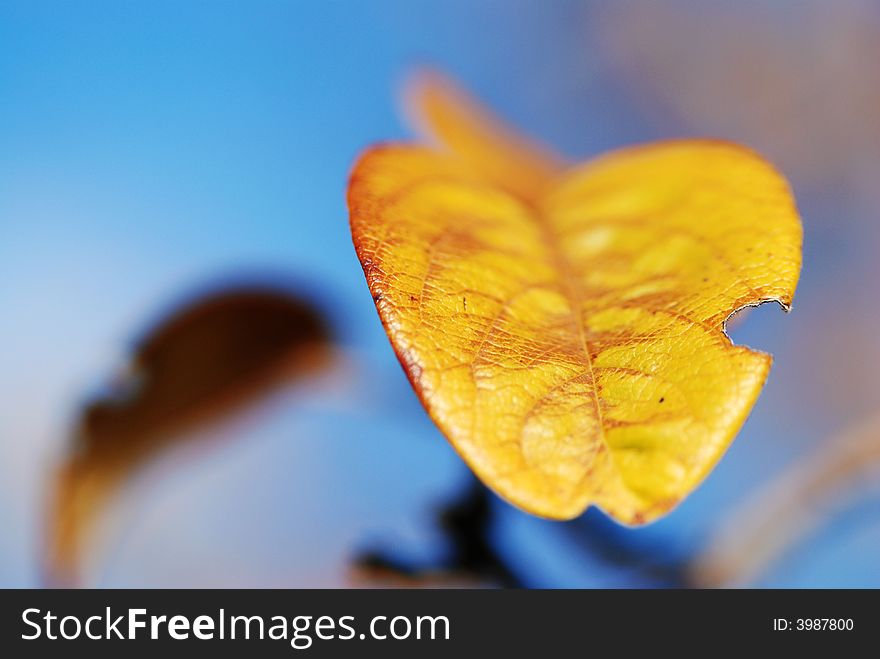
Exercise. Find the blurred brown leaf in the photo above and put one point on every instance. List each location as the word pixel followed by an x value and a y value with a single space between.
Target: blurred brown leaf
pixel 208 360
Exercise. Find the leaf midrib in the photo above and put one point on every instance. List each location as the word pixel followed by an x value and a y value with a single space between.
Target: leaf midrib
pixel 571 291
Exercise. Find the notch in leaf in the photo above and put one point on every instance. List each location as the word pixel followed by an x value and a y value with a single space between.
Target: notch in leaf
pixel 563 325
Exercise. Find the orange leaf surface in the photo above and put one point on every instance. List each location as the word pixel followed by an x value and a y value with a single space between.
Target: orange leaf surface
pixel 447 117
pixel 565 330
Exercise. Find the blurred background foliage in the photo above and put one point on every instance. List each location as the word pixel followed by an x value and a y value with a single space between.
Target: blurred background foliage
pixel 153 154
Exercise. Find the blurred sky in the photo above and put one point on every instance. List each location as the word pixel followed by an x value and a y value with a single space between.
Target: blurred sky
pixel 150 148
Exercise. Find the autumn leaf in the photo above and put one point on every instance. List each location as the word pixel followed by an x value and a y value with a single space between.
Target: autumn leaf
pixel 564 326
pixel 208 360
pixel 446 116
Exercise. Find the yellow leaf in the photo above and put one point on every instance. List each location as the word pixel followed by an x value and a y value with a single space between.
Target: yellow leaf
pixel 445 116
pixel 570 342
